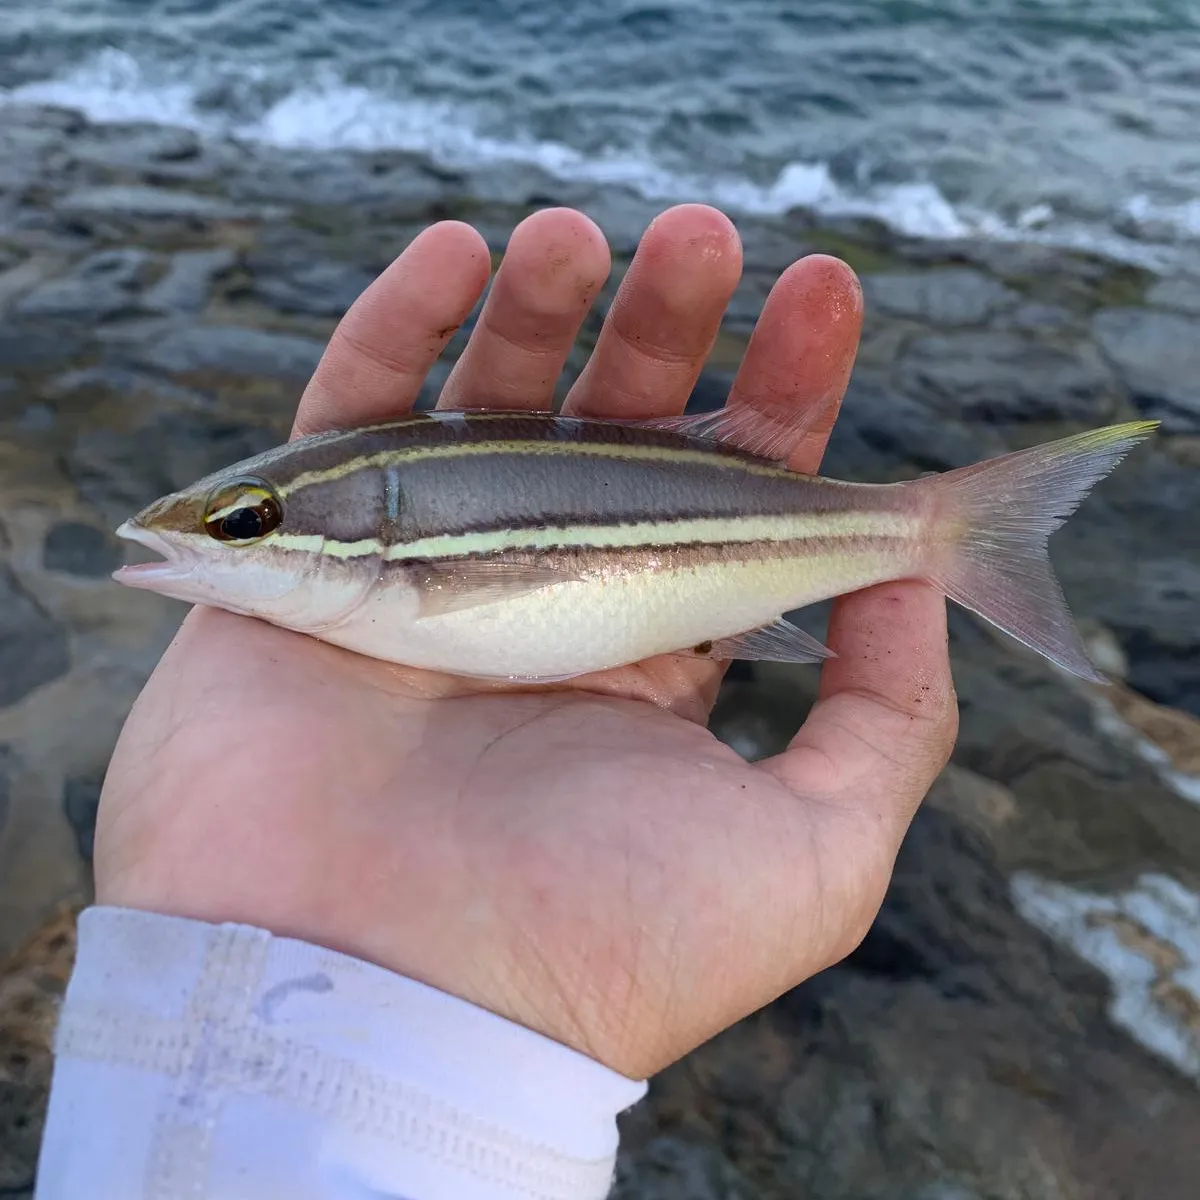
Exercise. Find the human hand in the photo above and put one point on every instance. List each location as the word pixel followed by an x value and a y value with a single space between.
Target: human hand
pixel 583 858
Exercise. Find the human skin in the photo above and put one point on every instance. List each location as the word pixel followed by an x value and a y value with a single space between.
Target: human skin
pixel 583 858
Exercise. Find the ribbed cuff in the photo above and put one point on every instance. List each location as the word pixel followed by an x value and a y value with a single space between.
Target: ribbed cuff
pixel 198 1060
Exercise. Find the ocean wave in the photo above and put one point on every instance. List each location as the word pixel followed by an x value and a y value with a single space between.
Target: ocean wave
pixel 332 114
pixel 113 87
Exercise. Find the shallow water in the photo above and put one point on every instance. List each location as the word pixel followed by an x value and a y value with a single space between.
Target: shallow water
pixel 1071 121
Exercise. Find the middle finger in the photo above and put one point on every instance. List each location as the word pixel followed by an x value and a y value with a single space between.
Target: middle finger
pixel 555 263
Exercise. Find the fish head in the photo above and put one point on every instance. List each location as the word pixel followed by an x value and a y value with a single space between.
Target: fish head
pixel 226 542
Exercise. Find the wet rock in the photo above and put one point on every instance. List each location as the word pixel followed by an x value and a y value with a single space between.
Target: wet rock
pixel 711 391
pixel 1035 317
pixel 187 283
pixel 18 278
pixel 761 706
pixel 880 429
pixel 957 1030
pixel 136 147
pixel 45 122
pixel 1167 738
pixel 1165 672
pixel 1158 357
pixel 81 801
pixel 954 1033
pixel 324 289
pixel 1104 648
pixel 131 385
pixel 6 757
pixel 32 983
pixel 36 418
pixel 674 1168
pixel 998 376
pixel 1151 610
pixel 1147 941
pixel 1180 294
pixel 431 387
pixel 130 200
pixel 78 549
pixel 944 296
pixel 390 187
pixel 118 474
pixel 27 137
pixel 223 349
pixel 33 347
pixel 102 285
pixel 34 648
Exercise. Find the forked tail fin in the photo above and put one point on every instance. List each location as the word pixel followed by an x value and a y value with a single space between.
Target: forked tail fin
pixel 1005 510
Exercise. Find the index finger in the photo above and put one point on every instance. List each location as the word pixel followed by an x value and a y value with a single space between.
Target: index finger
pixel 390 337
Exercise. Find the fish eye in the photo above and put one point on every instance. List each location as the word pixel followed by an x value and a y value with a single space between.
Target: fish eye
pixel 243 512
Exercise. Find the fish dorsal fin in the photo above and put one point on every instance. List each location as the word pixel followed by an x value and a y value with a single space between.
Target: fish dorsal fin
pixel 766 430
pixel 471 583
pixel 781 641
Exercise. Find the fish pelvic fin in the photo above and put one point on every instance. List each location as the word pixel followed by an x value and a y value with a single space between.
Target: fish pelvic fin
pixel 1000 514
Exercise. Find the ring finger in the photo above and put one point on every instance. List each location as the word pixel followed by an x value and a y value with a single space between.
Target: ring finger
pixel 555 263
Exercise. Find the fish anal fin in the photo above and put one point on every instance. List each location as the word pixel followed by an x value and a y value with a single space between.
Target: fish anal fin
pixel 449 587
pixel 781 641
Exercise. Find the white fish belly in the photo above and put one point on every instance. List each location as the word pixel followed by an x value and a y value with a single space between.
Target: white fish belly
pixel 573 628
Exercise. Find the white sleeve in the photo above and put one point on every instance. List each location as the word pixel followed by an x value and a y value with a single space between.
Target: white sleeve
pixel 217 1062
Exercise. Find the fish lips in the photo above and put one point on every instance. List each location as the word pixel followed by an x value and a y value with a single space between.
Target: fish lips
pixel 175 565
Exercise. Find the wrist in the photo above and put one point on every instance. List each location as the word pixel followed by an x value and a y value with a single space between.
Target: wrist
pixel 522 986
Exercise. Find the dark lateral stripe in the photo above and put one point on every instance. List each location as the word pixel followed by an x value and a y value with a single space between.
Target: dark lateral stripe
pixel 498 487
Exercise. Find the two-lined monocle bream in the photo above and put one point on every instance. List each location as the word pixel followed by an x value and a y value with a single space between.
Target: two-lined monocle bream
pixel 535 546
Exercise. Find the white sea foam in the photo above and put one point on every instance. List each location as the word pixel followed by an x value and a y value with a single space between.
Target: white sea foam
pixel 331 114
pixel 111 87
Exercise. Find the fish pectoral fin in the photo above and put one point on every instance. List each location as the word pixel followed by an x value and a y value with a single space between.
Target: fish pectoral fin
pixel 471 583
pixel 770 431
pixel 781 641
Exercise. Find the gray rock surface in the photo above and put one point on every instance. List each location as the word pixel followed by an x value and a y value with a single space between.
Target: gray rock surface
pixel 1002 377
pixel 81 800
pixel 32 981
pixel 20 350
pixel 136 147
pixel 5 786
pixel 957 1052
pixel 128 200
pixel 964 1051
pixel 944 296
pixel 101 285
pixel 1180 294
pixel 187 283
pixel 227 349
pixel 78 549
pixel 139 387
pixel 118 473
pixel 34 648
pixel 1158 357
pixel 320 288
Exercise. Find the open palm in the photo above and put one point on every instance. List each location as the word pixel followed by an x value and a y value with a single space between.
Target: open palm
pixel 584 858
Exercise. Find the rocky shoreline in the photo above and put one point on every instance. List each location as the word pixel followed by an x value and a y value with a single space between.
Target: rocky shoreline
pixel 1024 1018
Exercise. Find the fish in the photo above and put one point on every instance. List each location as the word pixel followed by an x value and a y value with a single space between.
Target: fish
pixel 534 546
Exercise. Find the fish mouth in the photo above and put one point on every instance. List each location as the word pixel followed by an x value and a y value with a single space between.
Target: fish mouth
pixel 171 567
